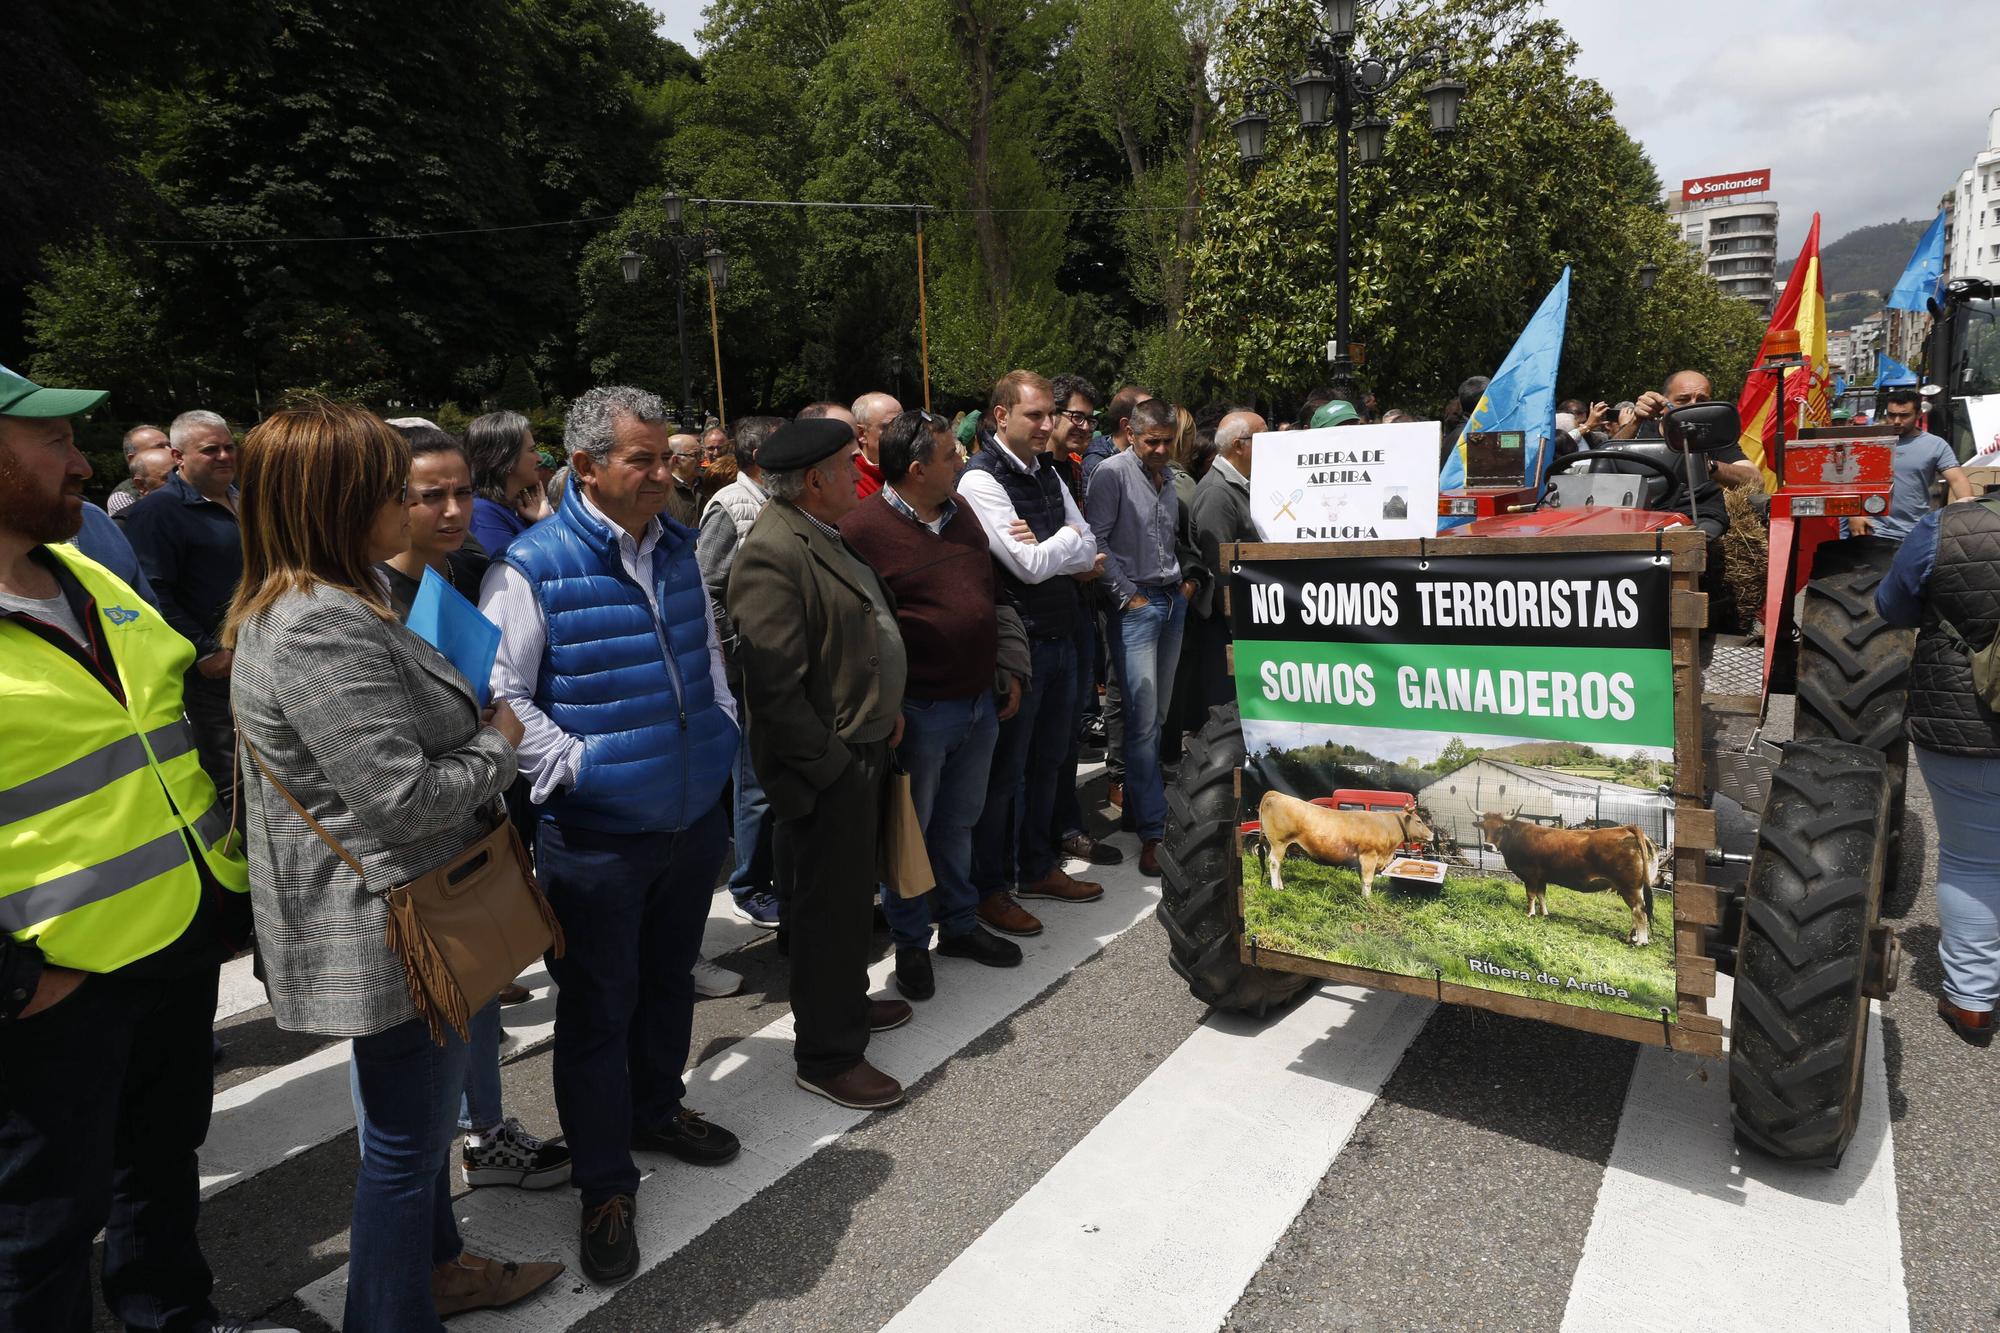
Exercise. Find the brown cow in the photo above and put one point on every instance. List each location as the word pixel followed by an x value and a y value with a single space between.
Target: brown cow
pixel 1587 860
pixel 1366 838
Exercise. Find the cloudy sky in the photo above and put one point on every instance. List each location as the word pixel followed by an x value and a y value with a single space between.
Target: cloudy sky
pixel 1864 111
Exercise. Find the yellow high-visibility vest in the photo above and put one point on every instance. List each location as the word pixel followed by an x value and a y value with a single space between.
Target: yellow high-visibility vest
pixel 104 805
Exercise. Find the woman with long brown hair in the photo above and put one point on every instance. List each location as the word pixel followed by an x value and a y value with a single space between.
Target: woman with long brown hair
pixel 380 740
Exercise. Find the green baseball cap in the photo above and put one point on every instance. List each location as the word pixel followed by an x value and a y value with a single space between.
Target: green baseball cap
pixel 1338 412
pixel 22 397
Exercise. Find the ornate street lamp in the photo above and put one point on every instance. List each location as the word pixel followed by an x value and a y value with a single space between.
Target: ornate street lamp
pixel 1649 273
pixel 684 247
pixel 1340 89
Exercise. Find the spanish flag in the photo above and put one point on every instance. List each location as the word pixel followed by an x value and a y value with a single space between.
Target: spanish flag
pixel 1808 388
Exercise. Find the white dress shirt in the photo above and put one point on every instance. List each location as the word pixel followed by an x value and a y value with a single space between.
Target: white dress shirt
pixel 548 755
pixel 1069 550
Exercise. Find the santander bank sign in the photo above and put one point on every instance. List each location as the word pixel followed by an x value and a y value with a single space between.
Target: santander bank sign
pixel 1714 187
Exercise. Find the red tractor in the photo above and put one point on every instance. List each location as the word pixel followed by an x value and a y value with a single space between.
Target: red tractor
pixel 1800 931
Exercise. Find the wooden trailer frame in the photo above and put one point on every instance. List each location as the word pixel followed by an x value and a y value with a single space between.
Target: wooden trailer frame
pixel 1697 904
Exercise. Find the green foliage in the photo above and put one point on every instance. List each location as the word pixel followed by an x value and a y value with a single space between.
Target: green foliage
pixel 1321 914
pixel 518 390
pixel 96 323
pixel 1085 210
pixel 1454 243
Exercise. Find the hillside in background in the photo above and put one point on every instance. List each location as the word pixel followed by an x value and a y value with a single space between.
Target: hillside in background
pixel 1867 258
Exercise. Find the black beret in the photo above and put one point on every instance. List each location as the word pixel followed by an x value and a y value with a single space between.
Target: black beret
pixel 798 444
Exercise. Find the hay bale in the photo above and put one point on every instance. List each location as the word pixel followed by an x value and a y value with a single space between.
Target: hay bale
pixel 1746 558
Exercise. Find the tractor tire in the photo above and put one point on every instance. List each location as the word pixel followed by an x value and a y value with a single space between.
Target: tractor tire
pixel 1800 1021
pixel 1197 878
pixel 1854 667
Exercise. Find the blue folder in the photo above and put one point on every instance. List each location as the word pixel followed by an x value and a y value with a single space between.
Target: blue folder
pixel 441 617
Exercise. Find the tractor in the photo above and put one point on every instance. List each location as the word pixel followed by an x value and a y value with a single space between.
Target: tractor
pixel 1800 929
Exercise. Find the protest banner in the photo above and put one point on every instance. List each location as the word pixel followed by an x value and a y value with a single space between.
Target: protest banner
pixel 1462 769
pixel 1345 483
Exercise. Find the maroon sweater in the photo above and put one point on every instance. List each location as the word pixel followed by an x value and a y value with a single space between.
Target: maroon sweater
pixel 944 589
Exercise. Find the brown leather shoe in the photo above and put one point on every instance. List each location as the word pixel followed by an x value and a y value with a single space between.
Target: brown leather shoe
pixel 1000 912
pixel 1974 1027
pixel 1149 859
pixel 886 1014
pixel 1114 795
pixel 515 993
pixel 1058 885
pixel 470 1282
pixel 863 1087
pixel 1086 848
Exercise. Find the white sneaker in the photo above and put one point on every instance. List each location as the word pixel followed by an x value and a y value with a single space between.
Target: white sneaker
pixel 715 982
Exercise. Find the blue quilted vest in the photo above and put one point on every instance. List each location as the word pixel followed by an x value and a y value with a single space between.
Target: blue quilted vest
pixel 637 691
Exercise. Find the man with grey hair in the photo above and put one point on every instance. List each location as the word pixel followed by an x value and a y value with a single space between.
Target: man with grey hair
pixel 191 546
pixel 141 437
pixel 1220 513
pixel 872 413
pixel 609 656
pixel 823 675
pixel 149 468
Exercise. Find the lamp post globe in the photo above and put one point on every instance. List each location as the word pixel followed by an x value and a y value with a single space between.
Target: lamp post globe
pixel 1251 129
pixel 1371 134
pixel 674 201
pixel 718 268
pixel 1649 273
pixel 1313 91
pixel 1338 16
pixel 630 263
pixel 1444 96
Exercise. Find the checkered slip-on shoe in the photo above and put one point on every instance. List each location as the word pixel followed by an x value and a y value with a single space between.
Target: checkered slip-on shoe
pixel 510 1155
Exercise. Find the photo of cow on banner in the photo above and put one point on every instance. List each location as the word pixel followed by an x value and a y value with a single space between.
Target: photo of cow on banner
pixel 1462 770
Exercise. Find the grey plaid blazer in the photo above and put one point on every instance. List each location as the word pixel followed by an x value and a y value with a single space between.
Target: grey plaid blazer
pixel 376 734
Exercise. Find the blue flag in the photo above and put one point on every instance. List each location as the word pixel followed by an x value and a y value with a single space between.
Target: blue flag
pixel 1890 372
pixel 441 617
pixel 1522 394
pixel 1923 277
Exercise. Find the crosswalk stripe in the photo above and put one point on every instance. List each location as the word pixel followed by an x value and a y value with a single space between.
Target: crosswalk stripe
pixel 1164 1212
pixel 262 1121
pixel 1691 1234
pixel 748 1088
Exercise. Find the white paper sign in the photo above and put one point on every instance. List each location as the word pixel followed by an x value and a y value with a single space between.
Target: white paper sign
pixel 1346 483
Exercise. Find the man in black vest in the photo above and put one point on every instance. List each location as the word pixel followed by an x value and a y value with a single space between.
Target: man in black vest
pixel 1015 483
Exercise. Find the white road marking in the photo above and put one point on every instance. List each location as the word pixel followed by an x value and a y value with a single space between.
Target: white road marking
pixel 265 1120
pixel 1691 1233
pixel 748 1088
pixel 240 991
pixel 1165 1211
pixel 259 1123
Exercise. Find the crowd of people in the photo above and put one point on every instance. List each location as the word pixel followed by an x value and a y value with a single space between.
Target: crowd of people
pixel 716 649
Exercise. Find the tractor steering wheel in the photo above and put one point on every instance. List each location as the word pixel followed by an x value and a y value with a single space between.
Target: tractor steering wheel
pixel 1652 465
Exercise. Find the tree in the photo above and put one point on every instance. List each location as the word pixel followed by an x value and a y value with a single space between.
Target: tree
pixel 1454 243
pixel 96 321
pixel 518 390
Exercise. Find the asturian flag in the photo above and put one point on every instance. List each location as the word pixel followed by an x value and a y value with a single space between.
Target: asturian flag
pixel 1808 388
pixel 1522 394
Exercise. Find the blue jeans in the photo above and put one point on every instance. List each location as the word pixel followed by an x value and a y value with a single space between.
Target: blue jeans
pixel 479 1108
pixel 753 829
pixel 948 752
pixel 405 1087
pixel 632 907
pixel 1146 644
pixel 1011 843
pixel 1965 793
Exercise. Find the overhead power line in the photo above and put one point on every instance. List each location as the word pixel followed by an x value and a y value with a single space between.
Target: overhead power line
pixel 373 237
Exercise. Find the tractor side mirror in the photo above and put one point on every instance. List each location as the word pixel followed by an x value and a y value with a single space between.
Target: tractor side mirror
pixel 1702 428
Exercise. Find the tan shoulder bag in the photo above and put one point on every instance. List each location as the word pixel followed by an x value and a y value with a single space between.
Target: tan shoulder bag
pixel 464 930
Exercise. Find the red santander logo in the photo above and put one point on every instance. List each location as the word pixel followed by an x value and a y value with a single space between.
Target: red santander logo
pixel 1714 187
